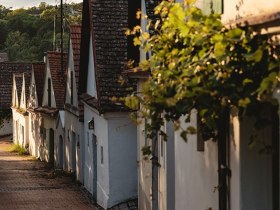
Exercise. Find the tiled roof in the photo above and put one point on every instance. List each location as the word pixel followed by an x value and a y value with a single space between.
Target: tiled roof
pixel 108 21
pixel 58 76
pixel 7 70
pixel 75 36
pixel 39 76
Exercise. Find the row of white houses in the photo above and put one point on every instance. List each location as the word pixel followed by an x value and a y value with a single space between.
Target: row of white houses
pixel 63 114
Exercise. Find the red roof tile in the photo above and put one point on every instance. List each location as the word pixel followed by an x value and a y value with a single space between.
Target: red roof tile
pixel 75 37
pixel 58 76
pixel 7 70
pixel 39 76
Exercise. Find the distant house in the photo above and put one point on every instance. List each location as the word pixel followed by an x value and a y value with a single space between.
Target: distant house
pixel 110 168
pixel 35 101
pixel 4 57
pixel 7 70
pixel 74 133
pixel 19 107
pixel 52 103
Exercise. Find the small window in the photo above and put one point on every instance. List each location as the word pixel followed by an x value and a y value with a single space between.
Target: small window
pixel 71 87
pixel 49 93
pixel 87 139
pixel 102 157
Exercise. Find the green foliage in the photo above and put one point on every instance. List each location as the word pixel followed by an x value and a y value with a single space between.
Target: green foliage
pixel 198 64
pixel 18 149
pixel 26 34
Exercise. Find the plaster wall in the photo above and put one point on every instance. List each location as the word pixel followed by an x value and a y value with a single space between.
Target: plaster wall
pixel 7 127
pixel 68 84
pixel 122 158
pixel 45 94
pixel 144 166
pixel 34 134
pixel 72 125
pixel 91 81
pixel 117 175
pixel 166 176
pixel 251 171
pixel 101 132
pixel 196 173
pixel 22 129
pixel 236 9
pixel 47 123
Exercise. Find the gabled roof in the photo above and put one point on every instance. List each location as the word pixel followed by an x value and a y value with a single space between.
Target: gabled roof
pixel 27 79
pixel 7 70
pixel 75 37
pixel 18 80
pixel 107 21
pixel 39 76
pixel 58 76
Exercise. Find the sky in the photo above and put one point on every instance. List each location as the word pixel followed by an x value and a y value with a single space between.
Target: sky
pixel 15 4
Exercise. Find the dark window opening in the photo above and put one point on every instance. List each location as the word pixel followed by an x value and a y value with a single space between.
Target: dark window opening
pixel 49 93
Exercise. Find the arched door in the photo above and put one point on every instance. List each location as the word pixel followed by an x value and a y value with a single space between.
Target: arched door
pixel 60 151
pixel 51 146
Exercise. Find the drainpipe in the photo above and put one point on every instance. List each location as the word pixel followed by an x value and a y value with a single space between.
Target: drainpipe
pixel 154 160
pixel 275 158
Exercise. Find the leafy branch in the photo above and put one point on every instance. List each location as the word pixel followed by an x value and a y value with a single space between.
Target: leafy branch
pixel 197 63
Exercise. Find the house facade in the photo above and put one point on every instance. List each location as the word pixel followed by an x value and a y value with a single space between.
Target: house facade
pixel 74 131
pixel 6 86
pixel 52 103
pixel 35 101
pixel 20 97
pixel 110 167
pixel 191 175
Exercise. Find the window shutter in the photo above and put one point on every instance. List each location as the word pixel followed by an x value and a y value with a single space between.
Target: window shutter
pixel 200 141
pixel 212 5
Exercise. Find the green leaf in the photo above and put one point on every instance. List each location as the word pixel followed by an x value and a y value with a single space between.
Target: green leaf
pixel 244 102
pixel 255 56
pixel 184 135
pixel 247 81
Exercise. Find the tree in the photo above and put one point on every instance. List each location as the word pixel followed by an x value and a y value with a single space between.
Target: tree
pixel 199 64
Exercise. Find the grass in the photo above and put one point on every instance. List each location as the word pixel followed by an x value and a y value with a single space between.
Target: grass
pixel 18 149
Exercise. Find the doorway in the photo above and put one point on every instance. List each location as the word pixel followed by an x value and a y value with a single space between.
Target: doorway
pixel 94 165
pixel 60 151
pixel 51 146
pixel 74 150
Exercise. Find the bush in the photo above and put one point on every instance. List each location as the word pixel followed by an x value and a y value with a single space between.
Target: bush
pixel 18 149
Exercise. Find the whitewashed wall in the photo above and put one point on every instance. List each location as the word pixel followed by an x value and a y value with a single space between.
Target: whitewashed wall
pixel 117 176
pixel 122 157
pixel 22 129
pixel 68 85
pixel 144 166
pixel 72 124
pixel 196 173
pixel 235 9
pixel 34 134
pixel 101 132
pixel 91 82
pixel 251 171
pixel 45 94
pixel 48 123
